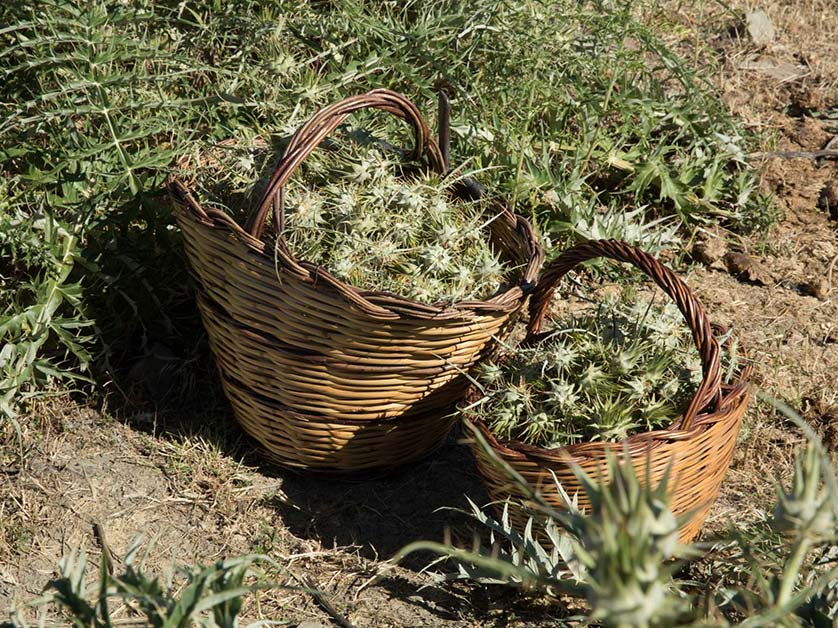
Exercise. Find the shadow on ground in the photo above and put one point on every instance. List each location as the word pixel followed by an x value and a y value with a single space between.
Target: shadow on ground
pixel 380 514
pixel 374 514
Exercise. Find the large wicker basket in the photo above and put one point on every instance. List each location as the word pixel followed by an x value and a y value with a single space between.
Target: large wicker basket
pixel 322 375
pixel 699 446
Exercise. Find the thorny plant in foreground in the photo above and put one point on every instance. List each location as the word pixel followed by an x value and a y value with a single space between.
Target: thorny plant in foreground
pixel 351 212
pixel 210 597
pixel 624 557
pixel 603 375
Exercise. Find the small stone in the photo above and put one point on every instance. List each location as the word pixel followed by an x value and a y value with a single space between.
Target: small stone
pixel 746 269
pixel 760 27
pixel 780 71
pixel 709 249
pixel 738 263
pixel 759 276
pixel 310 623
pixel 817 288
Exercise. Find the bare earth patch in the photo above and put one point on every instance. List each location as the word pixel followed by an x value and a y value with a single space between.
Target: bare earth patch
pixel 191 488
pixel 788 318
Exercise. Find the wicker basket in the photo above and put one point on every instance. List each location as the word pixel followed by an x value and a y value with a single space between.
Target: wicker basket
pixel 699 446
pixel 323 375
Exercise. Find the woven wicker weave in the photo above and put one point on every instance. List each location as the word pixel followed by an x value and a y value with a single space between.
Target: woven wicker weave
pixel 323 375
pixel 699 446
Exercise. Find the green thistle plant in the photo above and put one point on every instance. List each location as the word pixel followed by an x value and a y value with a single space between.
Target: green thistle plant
pixel 805 505
pixel 604 375
pixel 209 597
pixel 620 556
pixel 625 559
pixel 626 546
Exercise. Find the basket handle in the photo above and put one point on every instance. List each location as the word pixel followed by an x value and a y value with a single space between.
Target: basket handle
pixel 710 390
pixel 309 136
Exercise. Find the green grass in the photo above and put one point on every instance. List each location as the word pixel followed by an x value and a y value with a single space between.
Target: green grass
pixel 575 111
pixel 211 596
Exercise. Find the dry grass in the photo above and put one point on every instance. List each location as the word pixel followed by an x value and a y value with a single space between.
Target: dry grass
pixel 190 482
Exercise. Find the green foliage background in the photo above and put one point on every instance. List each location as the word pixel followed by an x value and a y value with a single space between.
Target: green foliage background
pixel 578 112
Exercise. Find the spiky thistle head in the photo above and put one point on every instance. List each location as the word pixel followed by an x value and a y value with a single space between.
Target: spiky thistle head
pixel 626 543
pixel 806 506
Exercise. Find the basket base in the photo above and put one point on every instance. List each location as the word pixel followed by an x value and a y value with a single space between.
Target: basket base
pixel 696 463
pixel 300 441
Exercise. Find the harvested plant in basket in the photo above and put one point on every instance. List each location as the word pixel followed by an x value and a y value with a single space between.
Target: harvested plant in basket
pixel 620 380
pixel 355 214
pixel 344 331
pixel 610 371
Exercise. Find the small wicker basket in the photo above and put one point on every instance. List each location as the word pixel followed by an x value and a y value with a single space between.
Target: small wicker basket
pixel 698 446
pixel 322 375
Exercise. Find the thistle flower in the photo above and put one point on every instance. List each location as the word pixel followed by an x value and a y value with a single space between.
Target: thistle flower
pixel 614 418
pixel 562 396
pixel 593 377
pixel 437 209
pixel 561 356
pixel 517 396
pixel 805 506
pixel 489 372
pixel 623 362
pixel 448 234
pixel 246 162
pixel 607 375
pixel 489 265
pixel 410 198
pixel 421 292
pixel 385 251
pixel 462 277
pixel 340 201
pixel 436 257
pixel 342 266
pixel 382 167
pixel 636 388
pixel 360 171
pixel 308 212
pixel 364 224
pixel 625 544
pixel 536 426
pixel 671 388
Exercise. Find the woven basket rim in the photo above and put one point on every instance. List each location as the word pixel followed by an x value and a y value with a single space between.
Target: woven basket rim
pixel 734 395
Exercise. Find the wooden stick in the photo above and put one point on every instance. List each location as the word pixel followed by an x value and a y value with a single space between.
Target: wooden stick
pixel 796 154
pixel 323 601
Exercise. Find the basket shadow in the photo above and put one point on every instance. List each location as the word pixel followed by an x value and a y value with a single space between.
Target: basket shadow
pixel 379 514
pixel 374 514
